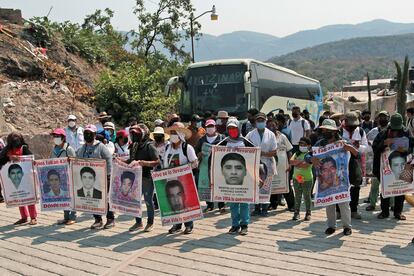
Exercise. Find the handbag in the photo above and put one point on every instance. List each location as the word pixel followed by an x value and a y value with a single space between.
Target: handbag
pixel 407 173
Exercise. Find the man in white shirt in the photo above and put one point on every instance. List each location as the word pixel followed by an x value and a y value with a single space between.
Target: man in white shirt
pixel 74 133
pixel 355 135
pixel 299 127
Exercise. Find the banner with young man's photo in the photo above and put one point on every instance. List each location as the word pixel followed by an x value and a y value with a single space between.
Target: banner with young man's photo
pixel 280 182
pixel 392 165
pixel 55 184
pixel 332 176
pixel 235 174
pixel 204 188
pixel 177 195
pixel 125 189
pixel 89 185
pixel 18 182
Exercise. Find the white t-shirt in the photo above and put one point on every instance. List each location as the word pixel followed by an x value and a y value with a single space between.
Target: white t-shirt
pixel 175 157
pixel 267 143
pixel 211 139
pixel 297 130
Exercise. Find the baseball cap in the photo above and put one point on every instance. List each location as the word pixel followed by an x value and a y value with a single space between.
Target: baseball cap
pixel 122 133
pixel 158 122
pixel 91 128
pixel 109 125
pixel 210 122
pixel 72 117
pixel 396 122
pixel 59 131
pixel 233 123
pixel 261 115
pixel 384 112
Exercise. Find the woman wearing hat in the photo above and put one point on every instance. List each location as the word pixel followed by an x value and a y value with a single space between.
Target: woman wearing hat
pixel 176 154
pixel 62 149
pixel 121 144
pixel 160 139
pixel 331 135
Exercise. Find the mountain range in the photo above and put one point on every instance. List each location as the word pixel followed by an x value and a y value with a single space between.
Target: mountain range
pixel 245 44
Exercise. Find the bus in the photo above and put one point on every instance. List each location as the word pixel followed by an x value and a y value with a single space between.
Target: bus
pixel 236 85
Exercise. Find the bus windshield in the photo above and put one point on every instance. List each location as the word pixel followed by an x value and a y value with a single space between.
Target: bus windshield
pixel 214 88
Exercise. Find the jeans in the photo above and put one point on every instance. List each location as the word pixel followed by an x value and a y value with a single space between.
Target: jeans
pixel 304 189
pixel 148 191
pixel 398 205
pixel 69 215
pixel 240 214
pixel 345 214
pixel 109 214
pixel 354 198
pixel 374 191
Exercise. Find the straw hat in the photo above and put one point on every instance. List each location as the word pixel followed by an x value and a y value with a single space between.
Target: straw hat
pixel 178 126
pixel 159 130
pixel 103 115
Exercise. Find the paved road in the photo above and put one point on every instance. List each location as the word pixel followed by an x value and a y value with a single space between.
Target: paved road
pixel 275 246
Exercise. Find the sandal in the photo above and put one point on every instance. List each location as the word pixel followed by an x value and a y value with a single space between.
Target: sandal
pixel 33 222
pixel 20 221
pixel 400 217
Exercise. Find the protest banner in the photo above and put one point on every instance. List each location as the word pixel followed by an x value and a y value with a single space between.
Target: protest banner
pixel 125 189
pixel 204 189
pixel 177 195
pixel 89 185
pixel 55 184
pixel 18 182
pixel 280 182
pixel 235 173
pixel 392 164
pixel 332 177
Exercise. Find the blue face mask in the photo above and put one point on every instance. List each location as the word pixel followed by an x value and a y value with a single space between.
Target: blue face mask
pixel 198 124
pixel 261 125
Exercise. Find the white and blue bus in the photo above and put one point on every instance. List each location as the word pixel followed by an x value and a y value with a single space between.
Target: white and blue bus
pixel 236 85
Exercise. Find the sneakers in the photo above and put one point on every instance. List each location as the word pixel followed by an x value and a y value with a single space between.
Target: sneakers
pixel 330 231
pixel 188 230
pixel 370 208
pixel 264 213
pixel 208 209
pixel 137 226
pixel 234 230
pixel 356 215
pixel 174 229
pixel 255 213
pixel 347 231
pixel 243 230
pixel 97 224
pixel 308 216
pixel 149 227
pixel 382 216
pixel 110 223
pixel 296 216
pixel 20 221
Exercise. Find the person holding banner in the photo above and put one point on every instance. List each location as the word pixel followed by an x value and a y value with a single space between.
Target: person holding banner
pixel 240 213
pixel 121 144
pixel 330 135
pixel 212 137
pixel 63 149
pixel 265 139
pixel 176 154
pixel 16 146
pixel 97 150
pixel 382 142
pixel 144 154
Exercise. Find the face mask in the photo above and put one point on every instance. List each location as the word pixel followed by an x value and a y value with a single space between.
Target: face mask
pixel 198 124
pixel 57 141
pixel 136 137
pixel 303 149
pixel 89 137
pixel 261 125
pixel 219 122
pixel 125 140
pixel 295 115
pixel 174 138
pixel 72 124
pixel 211 130
pixel 328 135
pixel 233 132
pixel 383 122
pixel 159 139
pixel 367 118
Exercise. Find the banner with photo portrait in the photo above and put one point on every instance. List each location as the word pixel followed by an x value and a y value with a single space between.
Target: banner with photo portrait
pixel 55 184
pixel 332 176
pixel 177 195
pixel 392 164
pixel 18 182
pixel 204 189
pixel 235 174
pixel 89 185
pixel 280 182
pixel 125 189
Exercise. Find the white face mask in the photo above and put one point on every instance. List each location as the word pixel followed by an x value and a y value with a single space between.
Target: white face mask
pixel 72 124
pixel 303 149
pixel 174 138
pixel 58 141
pixel 219 122
pixel 211 130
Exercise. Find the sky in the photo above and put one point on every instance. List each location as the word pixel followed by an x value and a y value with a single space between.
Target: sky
pixel 275 17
